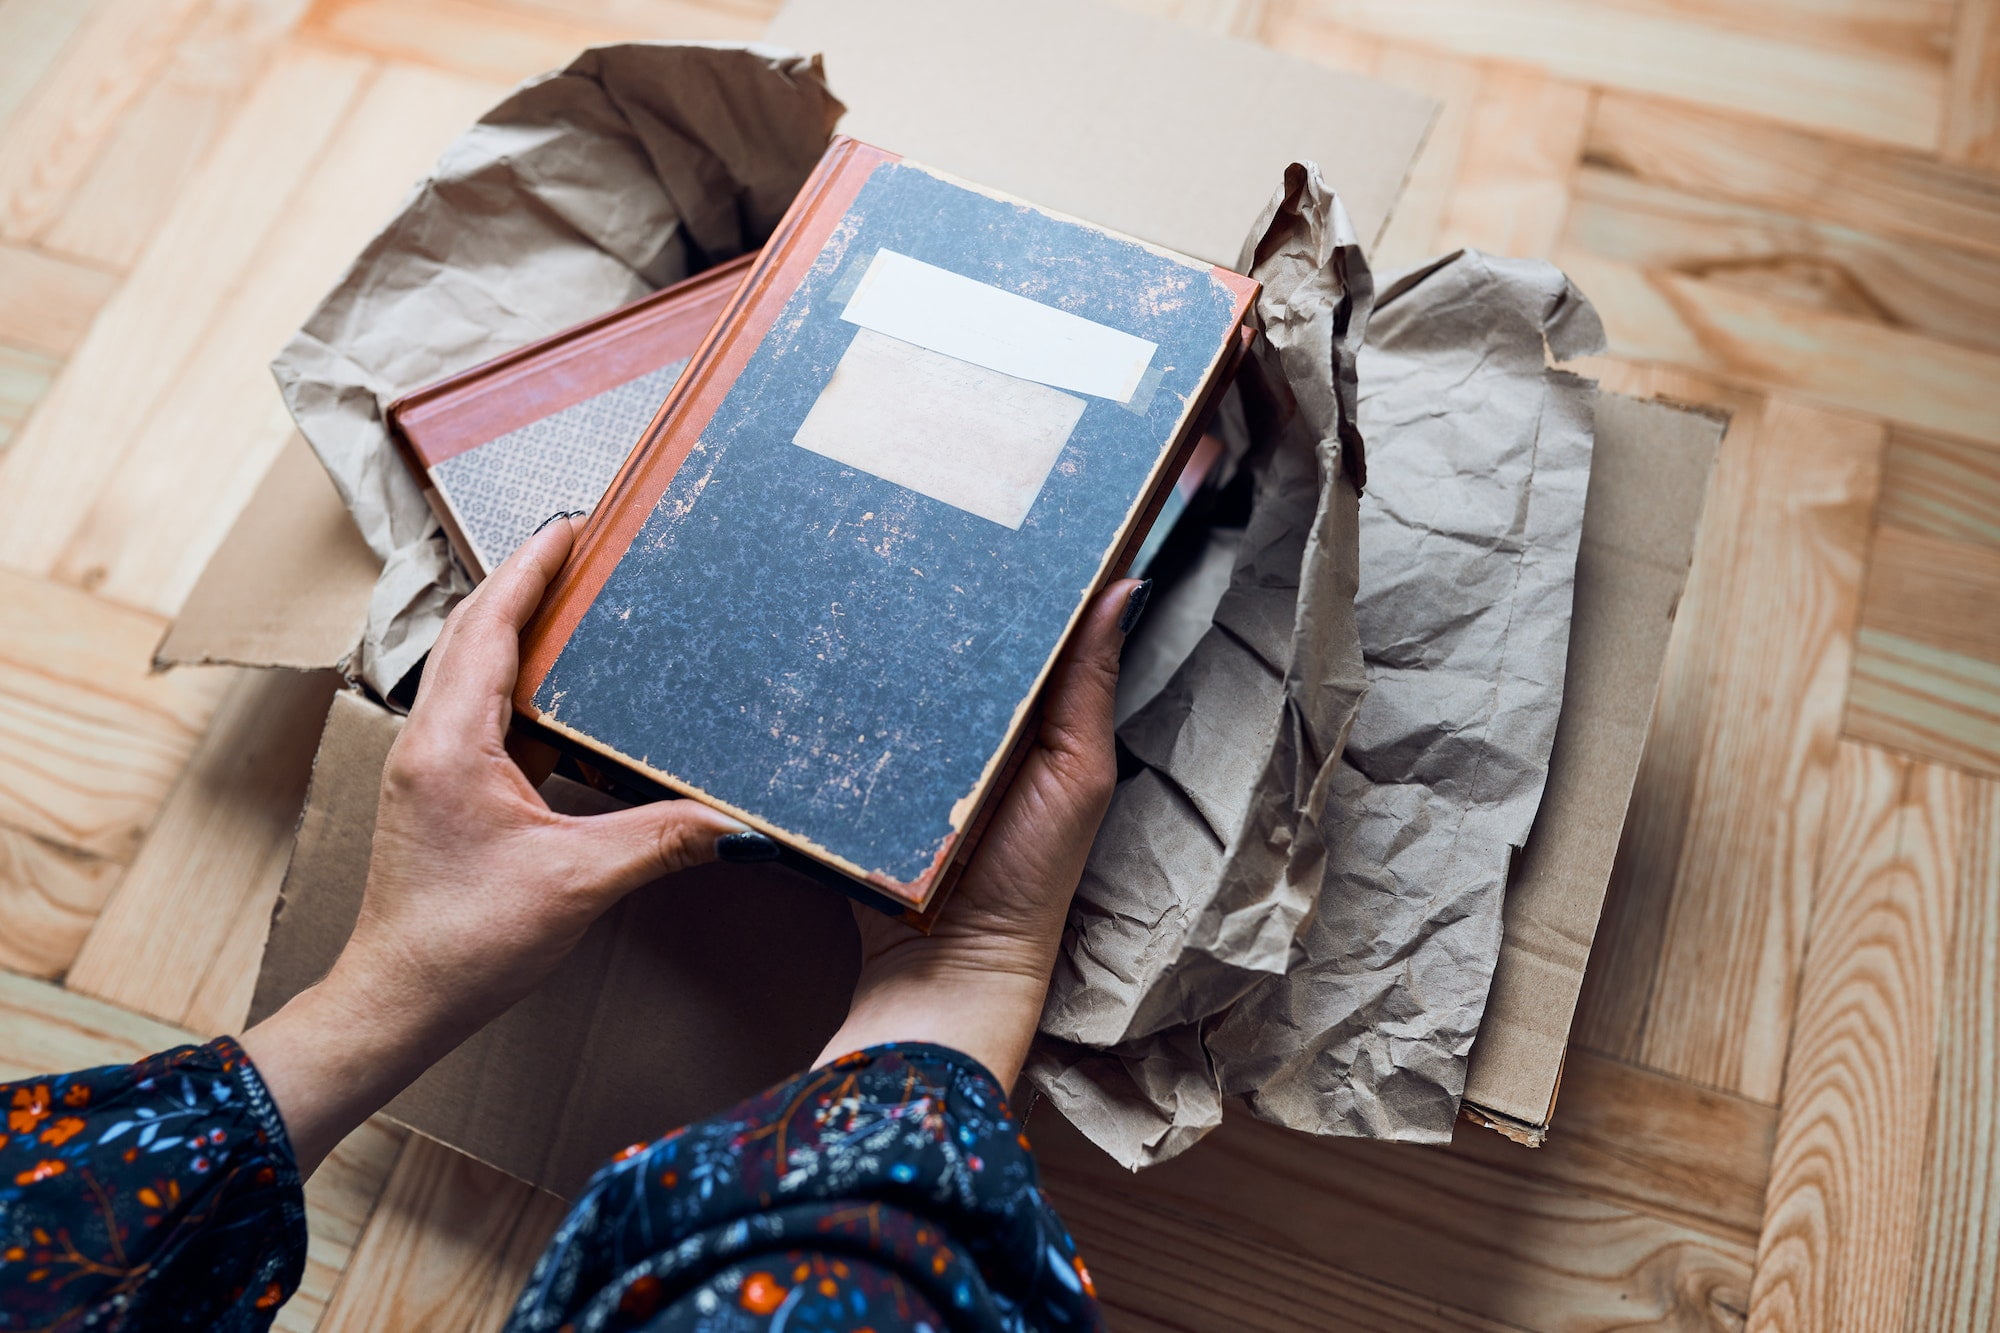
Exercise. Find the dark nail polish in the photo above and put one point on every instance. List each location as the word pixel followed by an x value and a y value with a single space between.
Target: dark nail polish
pixel 745 846
pixel 1135 606
pixel 550 519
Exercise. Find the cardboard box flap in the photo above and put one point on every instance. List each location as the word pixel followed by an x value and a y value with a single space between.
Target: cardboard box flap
pixel 1150 128
pixel 690 995
pixel 1649 478
pixel 290 584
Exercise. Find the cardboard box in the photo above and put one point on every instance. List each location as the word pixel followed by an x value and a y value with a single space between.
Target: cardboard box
pixel 667 1014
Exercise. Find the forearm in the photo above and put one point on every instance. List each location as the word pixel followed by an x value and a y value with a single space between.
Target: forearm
pixel 332 1057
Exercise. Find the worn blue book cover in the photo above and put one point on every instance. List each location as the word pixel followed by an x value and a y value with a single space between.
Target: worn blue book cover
pixel 826 588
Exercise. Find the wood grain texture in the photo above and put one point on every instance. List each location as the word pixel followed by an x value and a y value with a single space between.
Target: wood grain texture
pixel 1171 1272
pixel 90 740
pixel 1958 1276
pixel 49 896
pixel 50 141
pixel 1512 191
pixel 143 336
pixel 1867 90
pixel 24 377
pixel 1875 190
pixel 45 1029
pixel 340 1198
pixel 33 34
pixel 505 44
pixel 1412 234
pixel 1947 488
pixel 1971 131
pixel 1854 364
pixel 449 1247
pixel 1920 286
pixel 183 937
pixel 1927 655
pixel 1451 1234
pixel 194 461
pixel 1713 883
pixel 158 142
pixel 1657 1144
pixel 1844 1217
pixel 47 303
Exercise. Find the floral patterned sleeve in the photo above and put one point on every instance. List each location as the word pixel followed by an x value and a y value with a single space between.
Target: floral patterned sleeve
pixel 159 1195
pixel 892 1189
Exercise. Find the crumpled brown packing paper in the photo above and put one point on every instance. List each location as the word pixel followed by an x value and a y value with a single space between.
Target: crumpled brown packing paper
pixel 1479 462
pixel 630 169
pixel 1210 860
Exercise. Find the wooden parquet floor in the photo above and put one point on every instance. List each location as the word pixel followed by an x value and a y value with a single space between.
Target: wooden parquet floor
pixel 1780 1106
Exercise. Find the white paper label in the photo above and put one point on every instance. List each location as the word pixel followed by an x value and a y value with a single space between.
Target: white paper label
pixel 957 432
pixel 974 321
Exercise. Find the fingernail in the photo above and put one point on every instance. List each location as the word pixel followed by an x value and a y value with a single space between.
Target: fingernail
pixel 1135 606
pixel 745 846
pixel 560 513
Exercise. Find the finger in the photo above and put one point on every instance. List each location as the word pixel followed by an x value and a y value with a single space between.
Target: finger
pixel 618 852
pixel 472 668
pixel 1077 712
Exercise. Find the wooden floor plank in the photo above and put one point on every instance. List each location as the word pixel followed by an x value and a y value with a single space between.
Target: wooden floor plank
pixel 1853 364
pixel 1412 233
pixel 340 1198
pixel 1919 286
pixel 450 1246
pixel 1735 932
pixel 1157 1269
pixel 1958 1279
pixel 1874 190
pixel 1659 1144
pixel 25 377
pixel 183 936
pixel 1451 1234
pixel 507 44
pixel 49 896
pixel 45 1029
pixel 104 396
pixel 1947 488
pixel 51 140
pixel 33 34
pixel 1843 1222
pixel 1881 93
pixel 1971 132
pixel 47 302
pixel 90 740
pixel 1927 655
pixel 174 492
pixel 159 141
pixel 1512 191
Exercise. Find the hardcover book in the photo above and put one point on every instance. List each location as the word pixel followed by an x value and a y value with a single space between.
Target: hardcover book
pixel 500 447
pixel 825 590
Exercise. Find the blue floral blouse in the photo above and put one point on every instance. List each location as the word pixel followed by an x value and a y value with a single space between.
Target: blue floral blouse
pixel 891 1189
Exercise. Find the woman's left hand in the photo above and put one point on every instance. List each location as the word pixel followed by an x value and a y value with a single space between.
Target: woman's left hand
pixel 476 889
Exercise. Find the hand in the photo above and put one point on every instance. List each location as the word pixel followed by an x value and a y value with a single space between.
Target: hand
pixel 976 983
pixel 476 889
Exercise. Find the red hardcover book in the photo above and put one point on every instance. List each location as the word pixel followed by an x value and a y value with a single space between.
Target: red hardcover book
pixel 824 592
pixel 500 447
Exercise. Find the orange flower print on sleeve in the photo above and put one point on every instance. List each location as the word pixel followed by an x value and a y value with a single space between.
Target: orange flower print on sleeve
pixel 42 1170
pixel 62 1130
pixel 78 1094
pixel 30 1107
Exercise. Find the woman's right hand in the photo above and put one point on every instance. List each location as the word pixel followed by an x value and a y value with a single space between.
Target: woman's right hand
pixel 976 983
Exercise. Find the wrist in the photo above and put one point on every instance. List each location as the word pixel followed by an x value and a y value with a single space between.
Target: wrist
pixel 985 1002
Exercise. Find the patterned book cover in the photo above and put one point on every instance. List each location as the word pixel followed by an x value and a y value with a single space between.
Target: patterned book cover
pixel 825 590
pixel 500 447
